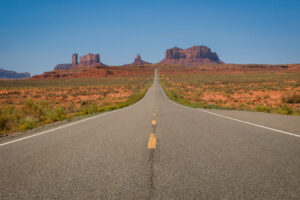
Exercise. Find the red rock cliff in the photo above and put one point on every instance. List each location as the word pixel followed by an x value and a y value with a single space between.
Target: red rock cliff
pixel 89 59
pixel 190 56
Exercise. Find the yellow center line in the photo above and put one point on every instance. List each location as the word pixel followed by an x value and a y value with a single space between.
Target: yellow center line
pixel 152 141
pixel 153 122
pixel 154 114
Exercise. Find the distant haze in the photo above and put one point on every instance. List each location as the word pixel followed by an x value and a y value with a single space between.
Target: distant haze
pixel 37 35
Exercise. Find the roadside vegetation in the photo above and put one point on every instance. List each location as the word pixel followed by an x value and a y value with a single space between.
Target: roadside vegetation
pixel 27 104
pixel 261 91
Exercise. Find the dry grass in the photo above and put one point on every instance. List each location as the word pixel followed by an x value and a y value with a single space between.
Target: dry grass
pixel 26 104
pixel 276 91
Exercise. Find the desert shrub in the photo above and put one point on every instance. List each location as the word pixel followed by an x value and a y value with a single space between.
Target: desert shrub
pixel 27 123
pixel 37 110
pixel 29 107
pixel 57 114
pixel 176 84
pixel 262 108
pixel 88 109
pixel 3 122
pixel 27 114
pixel 205 105
pixel 9 118
pixel 284 110
pixel 242 106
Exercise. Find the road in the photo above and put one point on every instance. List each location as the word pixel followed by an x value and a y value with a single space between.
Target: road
pixel 157 149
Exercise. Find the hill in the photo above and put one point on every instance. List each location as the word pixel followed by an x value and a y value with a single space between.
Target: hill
pixel 6 74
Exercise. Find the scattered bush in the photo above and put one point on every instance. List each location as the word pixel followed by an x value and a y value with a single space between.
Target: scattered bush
pixel 262 108
pixel 30 114
pixel 27 123
pixel 284 110
pixel 254 89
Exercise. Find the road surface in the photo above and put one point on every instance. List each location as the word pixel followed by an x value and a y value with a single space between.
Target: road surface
pixel 157 149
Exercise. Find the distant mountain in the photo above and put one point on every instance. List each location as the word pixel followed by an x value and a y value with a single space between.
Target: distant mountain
pixel 138 61
pixel 63 66
pixel 12 74
pixel 191 56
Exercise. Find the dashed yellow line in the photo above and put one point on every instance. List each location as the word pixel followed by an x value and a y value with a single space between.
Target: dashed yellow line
pixel 152 141
pixel 153 122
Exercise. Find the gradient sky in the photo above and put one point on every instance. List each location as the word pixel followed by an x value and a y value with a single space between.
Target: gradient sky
pixel 35 35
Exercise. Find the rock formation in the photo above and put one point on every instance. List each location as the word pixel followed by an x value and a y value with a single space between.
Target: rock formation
pixel 89 59
pixel 138 61
pixel 190 56
pixel 74 59
pixel 13 74
pixel 63 66
pixel 84 61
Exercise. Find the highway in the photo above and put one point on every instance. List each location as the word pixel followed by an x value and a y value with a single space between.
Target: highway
pixel 157 149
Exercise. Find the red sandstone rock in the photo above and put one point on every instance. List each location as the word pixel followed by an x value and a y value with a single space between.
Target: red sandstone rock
pixel 89 59
pixel 138 61
pixel 74 59
pixel 85 61
pixel 191 56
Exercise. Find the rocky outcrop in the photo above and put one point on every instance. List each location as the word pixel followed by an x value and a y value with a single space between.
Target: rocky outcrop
pixel 12 74
pixel 190 56
pixel 63 66
pixel 89 59
pixel 84 61
pixel 74 59
pixel 138 61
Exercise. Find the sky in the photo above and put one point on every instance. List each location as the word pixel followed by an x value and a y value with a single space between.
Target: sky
pixel 35 35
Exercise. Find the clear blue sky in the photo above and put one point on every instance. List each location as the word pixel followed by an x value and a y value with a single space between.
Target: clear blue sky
pixel 35 35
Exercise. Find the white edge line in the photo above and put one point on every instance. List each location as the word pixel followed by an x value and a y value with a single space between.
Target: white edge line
pixel 77 122
pixel 261 126
pixel 238 120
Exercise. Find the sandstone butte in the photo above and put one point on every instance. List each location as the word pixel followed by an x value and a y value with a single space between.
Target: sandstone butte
pixel 84 61
pixel 191 56
pixel 196 59
pixel 90 66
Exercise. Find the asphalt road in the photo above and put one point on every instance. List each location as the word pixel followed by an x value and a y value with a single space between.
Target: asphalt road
pixel 157 149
